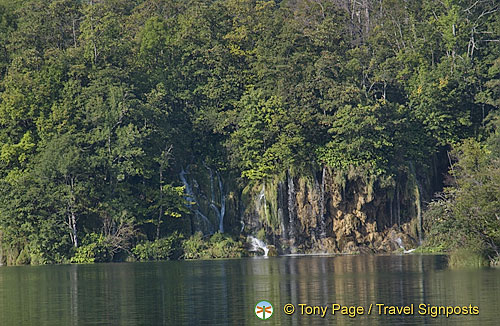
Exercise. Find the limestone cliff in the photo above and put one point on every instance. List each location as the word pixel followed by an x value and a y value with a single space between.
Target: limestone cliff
pixel 316 212
pixel 320 213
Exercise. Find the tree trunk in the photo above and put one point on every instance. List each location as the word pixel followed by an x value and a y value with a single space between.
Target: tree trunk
pixel 72 215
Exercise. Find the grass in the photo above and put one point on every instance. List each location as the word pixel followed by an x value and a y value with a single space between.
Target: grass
pixel 466 257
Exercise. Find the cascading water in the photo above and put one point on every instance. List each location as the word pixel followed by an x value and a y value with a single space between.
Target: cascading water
pixel 418 202
pixel 282 198
pixel 257 245
pixel 292 213
pixel 261 200
pixel 400 244
pixel 192 203
pixel 222 211
pixel 322 222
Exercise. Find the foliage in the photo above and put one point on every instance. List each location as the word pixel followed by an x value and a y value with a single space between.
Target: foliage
pixel 466 218
pixel 467 257
pixel 103 103
pixel 194 246
pixel 373 138
pixel 23 258
pixel 94 249
pixel 267 140
pixel 162 249
pixel 224 246
pixel 218 246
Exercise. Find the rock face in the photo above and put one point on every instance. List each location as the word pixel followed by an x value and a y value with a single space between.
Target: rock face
pixel 321 214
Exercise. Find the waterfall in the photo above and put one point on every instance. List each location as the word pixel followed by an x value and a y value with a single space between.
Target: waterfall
pixel 192 203
pixel 187 188
pixel 419 212
pixel 261 200
pixel 222 211
pixel 262 193
pixel 320 230
pixel 218 212
pixel 291 207
pixel 282 195
pixel 257 244
pixel 400 244
pixel 322 205
pixel 418 201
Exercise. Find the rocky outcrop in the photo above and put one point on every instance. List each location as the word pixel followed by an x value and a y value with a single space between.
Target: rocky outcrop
pixel 320 214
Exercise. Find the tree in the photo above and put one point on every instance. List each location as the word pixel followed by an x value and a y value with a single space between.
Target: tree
pixel 267 139
pixel 472 203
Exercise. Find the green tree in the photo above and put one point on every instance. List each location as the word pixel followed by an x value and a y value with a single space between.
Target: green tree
pixel 471 204
pixel 267 140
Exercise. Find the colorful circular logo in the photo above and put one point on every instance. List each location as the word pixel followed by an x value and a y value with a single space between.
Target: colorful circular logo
pixel 264 310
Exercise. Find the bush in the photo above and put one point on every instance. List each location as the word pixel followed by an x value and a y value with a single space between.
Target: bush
pixel 162 249
pixel 23 258
pixel 465 220
pixel 222 246
pixel 467 257
pixel 94 249
pixel 194 247
pixel 218 246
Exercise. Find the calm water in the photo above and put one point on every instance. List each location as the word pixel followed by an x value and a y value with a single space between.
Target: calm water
pixel 225 292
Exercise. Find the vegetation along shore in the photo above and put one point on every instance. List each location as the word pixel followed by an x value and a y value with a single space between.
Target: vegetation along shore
pixel 166 129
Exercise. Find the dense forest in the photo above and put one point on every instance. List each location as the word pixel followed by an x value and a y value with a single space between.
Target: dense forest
pixel 159 129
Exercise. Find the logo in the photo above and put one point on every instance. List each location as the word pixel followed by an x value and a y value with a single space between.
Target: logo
pixel 264 310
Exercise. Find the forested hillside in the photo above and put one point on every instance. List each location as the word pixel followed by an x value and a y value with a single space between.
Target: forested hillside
pixel 310 124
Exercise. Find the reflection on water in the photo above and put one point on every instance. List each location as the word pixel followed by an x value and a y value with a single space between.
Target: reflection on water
pixel 225 292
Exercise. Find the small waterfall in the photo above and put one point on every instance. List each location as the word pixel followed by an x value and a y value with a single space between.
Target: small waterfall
pixel 418 201
pixel 282 198
pixel 192 203
pixel 218 212
pixel 261 200
pixel 292 213
pixel 400 244
pixel 187 188
pixel 222 211
pixel 257 244
pixel 322 222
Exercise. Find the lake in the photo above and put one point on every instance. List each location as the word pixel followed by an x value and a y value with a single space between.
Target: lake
pixel 225 292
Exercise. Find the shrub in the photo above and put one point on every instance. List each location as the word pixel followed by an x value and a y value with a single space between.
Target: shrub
pixel 23 258
pixel 94 249
pixel 466 257
pixel 222 246
pixel 218 246
pixel 162 249
pixel 194 247
pixel 465 220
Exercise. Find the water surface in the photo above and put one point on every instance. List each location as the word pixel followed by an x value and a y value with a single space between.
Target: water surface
pixel 224 292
